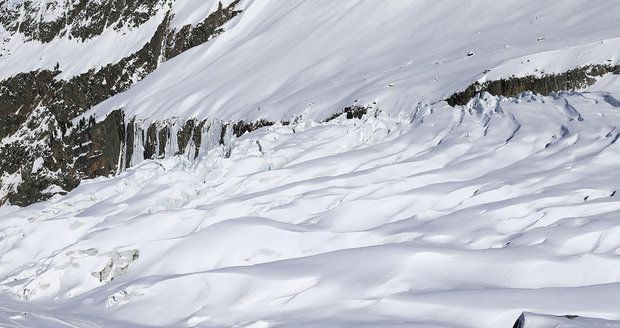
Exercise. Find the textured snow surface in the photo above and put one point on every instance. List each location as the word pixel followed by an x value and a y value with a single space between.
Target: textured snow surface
pixel 442 217
pixel 74 56
pixel 279 59
pixel 565 321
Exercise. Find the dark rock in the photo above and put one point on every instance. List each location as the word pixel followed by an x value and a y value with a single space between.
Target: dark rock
pixel 163 137
pixel 197 137
pixel 130 137
pixel 223 133
pixel 351 113
pixel 520 323
pixel 82 20
pixel 184 135
pixel 150 143
pixel 240 128
pixel 574 79
pixel 38 110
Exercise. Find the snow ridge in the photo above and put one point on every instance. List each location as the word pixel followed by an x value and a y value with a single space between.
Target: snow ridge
pixel 449 217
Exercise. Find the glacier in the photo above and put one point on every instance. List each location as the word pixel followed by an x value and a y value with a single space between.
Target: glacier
pixel 503 211
pixel 444 217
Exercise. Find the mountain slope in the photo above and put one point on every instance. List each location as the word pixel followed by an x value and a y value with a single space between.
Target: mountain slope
pixel 263 163
pixel 316 57
pixel 442 218
pixel 209 65
pixel 42 151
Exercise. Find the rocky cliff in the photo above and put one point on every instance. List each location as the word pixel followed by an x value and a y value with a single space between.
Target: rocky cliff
pixel 48 144
pixel 43 151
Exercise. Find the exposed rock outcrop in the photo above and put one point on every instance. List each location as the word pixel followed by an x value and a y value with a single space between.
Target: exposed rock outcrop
pixel 38 110
pixel 82 19
pixel 574 79
pixel 350 112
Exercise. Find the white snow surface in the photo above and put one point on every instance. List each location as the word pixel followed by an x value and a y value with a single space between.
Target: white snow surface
pixel 416 215
pixel 566 321
pixel 440 217
pixel 281 59
pixel 74 56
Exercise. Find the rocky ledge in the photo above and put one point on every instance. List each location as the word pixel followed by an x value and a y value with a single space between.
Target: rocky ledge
pixel 42 150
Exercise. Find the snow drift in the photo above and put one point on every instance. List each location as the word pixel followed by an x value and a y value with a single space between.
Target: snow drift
pixel 502 212
pixel 446 217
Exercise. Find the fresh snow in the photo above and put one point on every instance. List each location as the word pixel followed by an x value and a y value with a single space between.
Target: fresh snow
pixel 417 215
pixel 439 217
pixel 74 56
pixel 282 59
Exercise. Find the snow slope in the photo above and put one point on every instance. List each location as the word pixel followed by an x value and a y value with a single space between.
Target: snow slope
pixel 442 217
pixel 281 59
pixel 73 56
pixel 418 214
pixel 19 54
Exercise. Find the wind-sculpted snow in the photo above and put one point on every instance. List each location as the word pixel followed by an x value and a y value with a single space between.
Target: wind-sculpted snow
pixel 280 59
pixel 446 217
pixel 67 65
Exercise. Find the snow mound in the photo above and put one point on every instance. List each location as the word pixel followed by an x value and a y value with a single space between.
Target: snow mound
pixel 445 217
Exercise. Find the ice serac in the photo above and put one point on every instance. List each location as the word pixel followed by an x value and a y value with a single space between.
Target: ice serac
pixel 38 109
pixel 65 66
pixel 443 217
pixel 309 163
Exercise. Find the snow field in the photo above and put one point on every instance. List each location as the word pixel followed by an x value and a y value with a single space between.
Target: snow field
pixel 445 217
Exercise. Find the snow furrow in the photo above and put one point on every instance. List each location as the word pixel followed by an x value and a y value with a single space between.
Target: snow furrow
pixel 465 218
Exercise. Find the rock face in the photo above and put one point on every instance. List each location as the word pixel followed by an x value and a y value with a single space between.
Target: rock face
pixel 45 151
pixel 350 112
pixel 520 323
pixel 42 152
pixel 538 320
pixel 81 19
pixel 56 162
pixel 572 80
